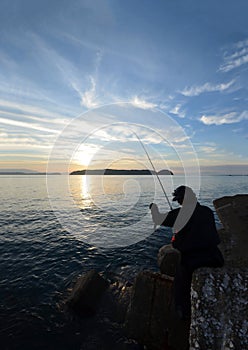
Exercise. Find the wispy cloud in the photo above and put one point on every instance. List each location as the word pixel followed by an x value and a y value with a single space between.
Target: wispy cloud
pixel 29 109
pixel 207 149
pixel 22 155
pixel 142 103
pixel 7 61
pixel 177 110
pixel 89 98
pixel 228 118
pixel 71 74
pixel 207 87
pixel 235 57
pixel 123 133
pixel 23 141
pixel 26 125
pixel 172 136
pixel 33 119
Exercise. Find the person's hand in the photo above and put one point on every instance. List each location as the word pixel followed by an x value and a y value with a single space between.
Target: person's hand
pixel 155 214
pixel 157 217
pixel 153 206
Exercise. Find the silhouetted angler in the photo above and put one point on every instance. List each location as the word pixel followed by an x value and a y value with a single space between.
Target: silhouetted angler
pixel 195 236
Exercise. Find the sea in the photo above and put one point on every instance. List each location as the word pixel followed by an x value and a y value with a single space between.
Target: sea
pixel 55 228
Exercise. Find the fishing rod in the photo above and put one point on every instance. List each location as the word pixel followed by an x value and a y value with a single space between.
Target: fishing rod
pixel 153 169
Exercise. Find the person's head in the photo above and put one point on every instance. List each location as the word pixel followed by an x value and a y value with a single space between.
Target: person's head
pixel 184 192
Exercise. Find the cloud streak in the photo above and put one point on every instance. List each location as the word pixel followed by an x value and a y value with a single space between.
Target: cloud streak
pixel 24 142
pixel 30 109
pixel 236 58
pixel 26 125
pixel 142 103
pixel 228 118
pixel 207 87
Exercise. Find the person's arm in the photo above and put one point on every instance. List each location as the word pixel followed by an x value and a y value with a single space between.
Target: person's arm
pixel 170 218
pixel 199 232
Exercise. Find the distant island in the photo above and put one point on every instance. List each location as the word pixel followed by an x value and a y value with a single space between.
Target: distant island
pixel 120 172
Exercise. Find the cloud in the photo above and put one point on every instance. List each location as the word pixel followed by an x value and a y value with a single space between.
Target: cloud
pixel 23 142
pixel 207 87
pixel 29 109
pixel 228 118
pixel 207 149
pixel 231 64
pixel 14 95
pixel 122 133
pixel 172 137
pixel 26 125
pixel 70 74
pixel 177 110
pixel 89 98
pixel 7 61
pixel 57 121
pixel 141 103
pixel 237 56
pixel 23 155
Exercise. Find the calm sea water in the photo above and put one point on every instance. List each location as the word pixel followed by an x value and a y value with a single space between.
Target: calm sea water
pixel 47 240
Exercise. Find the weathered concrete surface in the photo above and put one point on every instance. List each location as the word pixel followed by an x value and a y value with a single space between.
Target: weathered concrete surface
pixel 87 293
pixel 168 260
pixel 219 296
pixel 233 214
pixel 148 313
pixel 219 309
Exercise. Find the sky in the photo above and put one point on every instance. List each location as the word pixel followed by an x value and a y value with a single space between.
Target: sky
pixel 75 75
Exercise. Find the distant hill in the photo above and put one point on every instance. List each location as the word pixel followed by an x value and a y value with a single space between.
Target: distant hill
pixel 11 170
pixel 24 172
pixel 165 172
pixel 120 172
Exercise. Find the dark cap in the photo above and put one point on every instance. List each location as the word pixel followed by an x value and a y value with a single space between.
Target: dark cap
pixel 180 191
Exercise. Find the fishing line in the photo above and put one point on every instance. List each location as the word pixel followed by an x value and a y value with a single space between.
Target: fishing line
pixel 153 169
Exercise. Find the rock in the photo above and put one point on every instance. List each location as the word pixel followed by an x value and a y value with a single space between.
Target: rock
pixel 168 260
pixel 219 309
pixel 148 316
pixel 233 214
pixel 115 301
pixel 87 293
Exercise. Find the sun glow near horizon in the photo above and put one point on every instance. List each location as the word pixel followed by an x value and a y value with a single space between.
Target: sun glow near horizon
pixel 84 154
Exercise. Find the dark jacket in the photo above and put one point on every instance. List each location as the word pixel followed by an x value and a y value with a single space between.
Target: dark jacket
pixel 198 239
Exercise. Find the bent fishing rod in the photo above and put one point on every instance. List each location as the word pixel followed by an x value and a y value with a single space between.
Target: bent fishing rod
pixel 153 169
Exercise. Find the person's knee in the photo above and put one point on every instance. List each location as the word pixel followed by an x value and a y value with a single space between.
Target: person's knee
pixel 168 260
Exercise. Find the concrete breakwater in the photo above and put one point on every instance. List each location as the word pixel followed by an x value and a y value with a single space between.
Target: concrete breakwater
pixel 219 296
pixel 142 314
